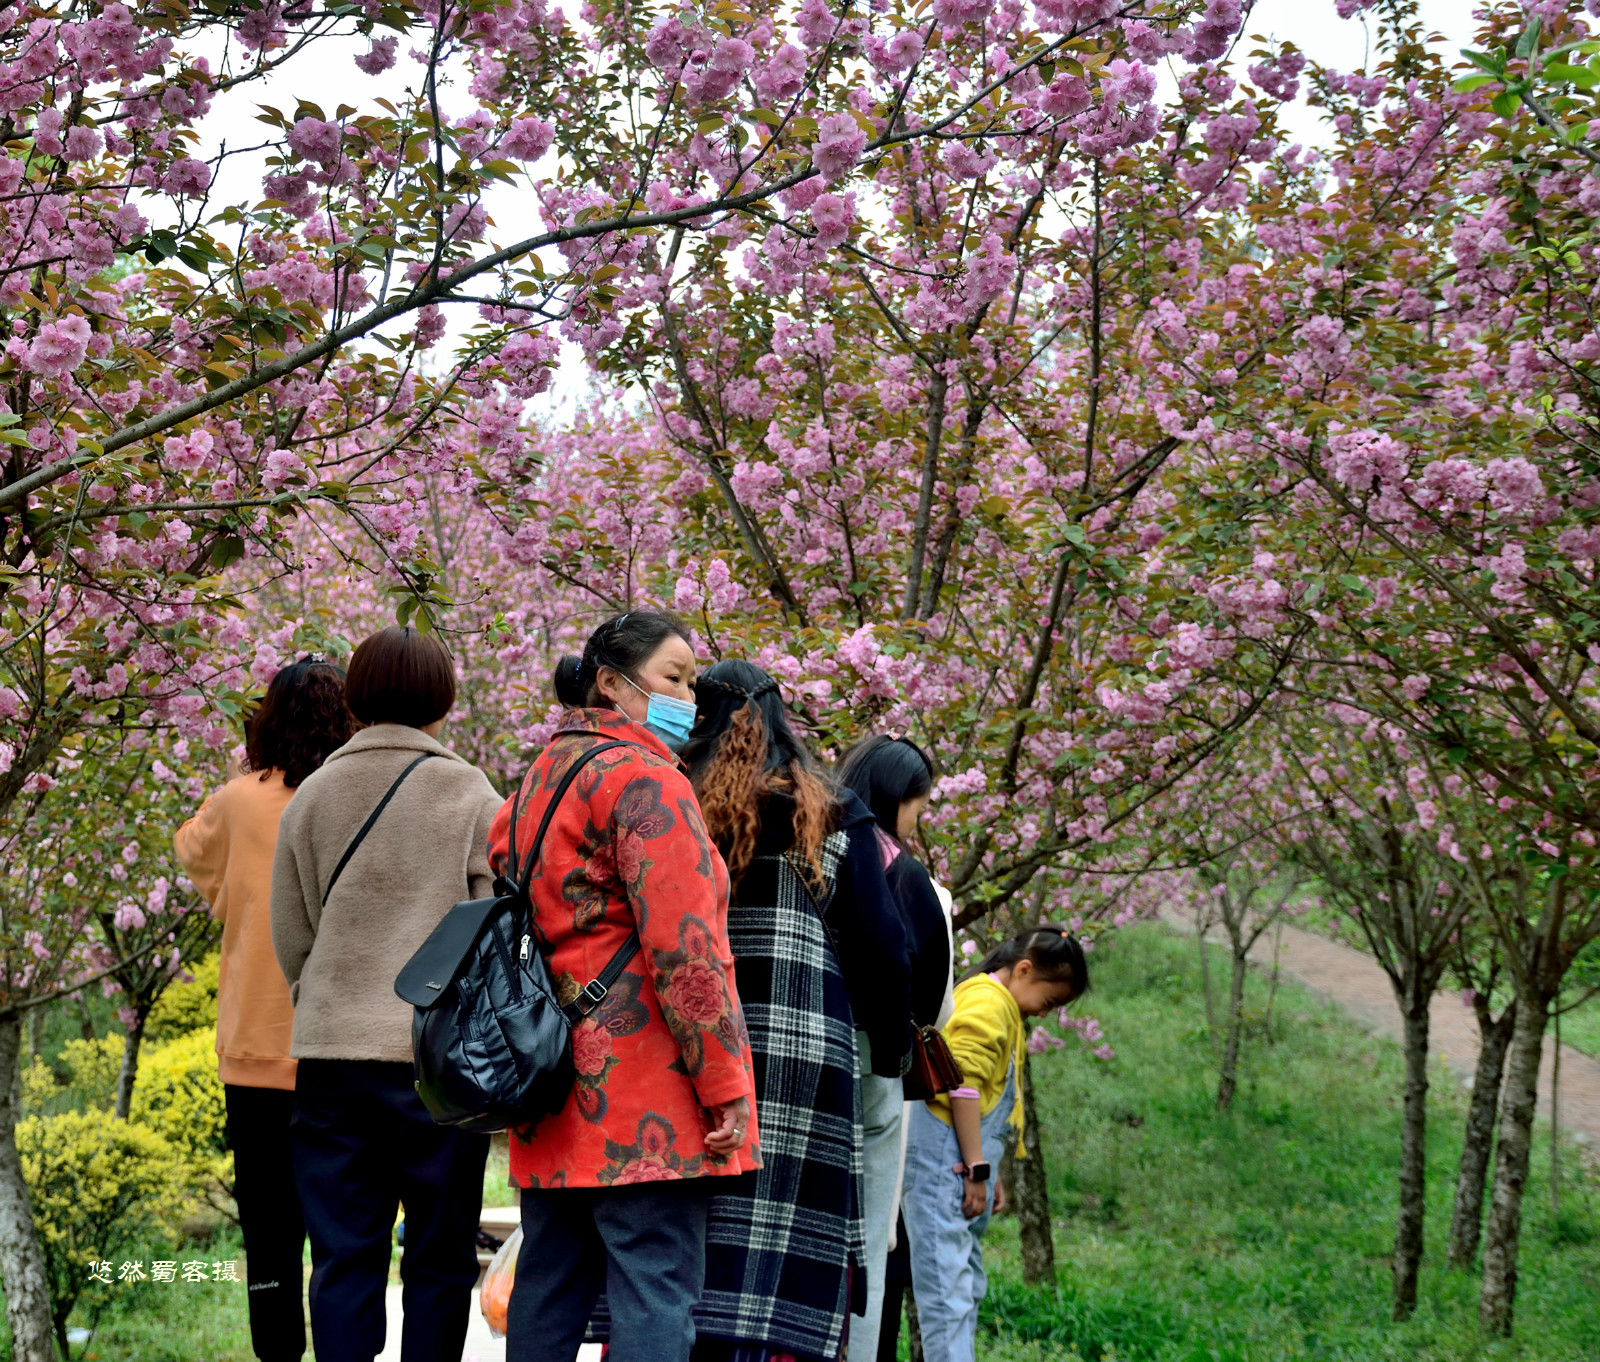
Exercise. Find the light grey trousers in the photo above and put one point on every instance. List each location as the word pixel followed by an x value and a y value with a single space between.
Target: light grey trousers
pixel 882 1107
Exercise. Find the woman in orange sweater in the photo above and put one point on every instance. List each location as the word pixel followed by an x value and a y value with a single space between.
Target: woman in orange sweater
pixel 227 850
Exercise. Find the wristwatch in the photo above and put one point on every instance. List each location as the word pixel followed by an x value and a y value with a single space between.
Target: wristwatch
pixel 976 1172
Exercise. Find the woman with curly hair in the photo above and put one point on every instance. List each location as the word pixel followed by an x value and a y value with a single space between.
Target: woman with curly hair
pixel 824 975
pixel 227 850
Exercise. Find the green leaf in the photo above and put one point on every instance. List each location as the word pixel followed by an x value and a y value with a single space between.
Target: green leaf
pixel 1528 39
pixel 1467 84
pixel 1581 76
pixel 1505 104
pixel 228 549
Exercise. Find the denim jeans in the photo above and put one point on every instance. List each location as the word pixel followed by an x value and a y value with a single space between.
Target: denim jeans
pixel 882 1101
pixel 947 1275
pixel 644 1245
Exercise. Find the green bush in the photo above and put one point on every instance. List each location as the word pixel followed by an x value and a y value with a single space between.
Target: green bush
pixel 99 1186
pixel 185 1008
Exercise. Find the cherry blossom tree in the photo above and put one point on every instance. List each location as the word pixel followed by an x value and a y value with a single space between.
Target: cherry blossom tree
pixel 1372 804
pixel 183 383
pixel 1419 467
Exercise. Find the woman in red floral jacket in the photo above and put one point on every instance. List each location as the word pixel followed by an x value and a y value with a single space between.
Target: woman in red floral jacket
pixel 615 1182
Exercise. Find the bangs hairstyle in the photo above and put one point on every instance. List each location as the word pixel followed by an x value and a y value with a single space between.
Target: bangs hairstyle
pixel 885 772
pixel 1053 951
pixel 624 643
pixel 299 721
pixel 741 751
pixel 401 676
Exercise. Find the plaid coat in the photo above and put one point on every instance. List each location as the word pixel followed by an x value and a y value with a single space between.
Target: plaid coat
pixel 783 1245
pixel 627 847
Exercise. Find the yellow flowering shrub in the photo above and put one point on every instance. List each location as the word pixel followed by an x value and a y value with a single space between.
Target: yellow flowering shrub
pixel 183 1008
pixel 84 1077
pixel 179 1096
pixel 103 1190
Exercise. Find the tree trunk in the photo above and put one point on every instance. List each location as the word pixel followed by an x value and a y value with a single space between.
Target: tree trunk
pixel 1032 1192
pixel 130 1068
pixel 1555 1114
pixel 85 1021
pixel 1228 1083
pixel 1205 979
pixel 21 1260
pixel 913 1328
pixel 1466 1222
pixel 1495 1305
pixel 1272 989
pixel 36 1020
pixel 1413 1158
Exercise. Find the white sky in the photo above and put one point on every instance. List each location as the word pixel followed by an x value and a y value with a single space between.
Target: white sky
pixel 327 75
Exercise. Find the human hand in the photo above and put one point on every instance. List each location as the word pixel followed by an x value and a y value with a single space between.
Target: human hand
pixel 973 1199
pixel 999 1197
pixel 730 1121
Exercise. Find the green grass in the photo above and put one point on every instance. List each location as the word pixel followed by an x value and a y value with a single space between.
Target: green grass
pixel 1263 1233
pixel 497 1188
pixel 176 1321
pixel 1182 1235
pixel 200 1322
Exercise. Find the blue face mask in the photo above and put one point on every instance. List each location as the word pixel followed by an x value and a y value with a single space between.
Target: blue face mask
pixel 669 718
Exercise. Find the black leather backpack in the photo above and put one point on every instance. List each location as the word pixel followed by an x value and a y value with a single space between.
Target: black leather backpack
pixel 491 1043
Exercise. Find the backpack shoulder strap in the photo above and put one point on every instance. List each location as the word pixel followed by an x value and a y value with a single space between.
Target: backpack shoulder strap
pixel 372 818
pixel 594 992
pixel 525 877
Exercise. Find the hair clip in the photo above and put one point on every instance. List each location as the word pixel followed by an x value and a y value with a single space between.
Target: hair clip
pixel 896 735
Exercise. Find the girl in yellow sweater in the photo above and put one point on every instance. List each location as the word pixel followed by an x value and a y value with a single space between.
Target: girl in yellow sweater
pixel 954 1142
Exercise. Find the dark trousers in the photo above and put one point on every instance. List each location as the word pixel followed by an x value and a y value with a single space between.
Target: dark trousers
pixel 896 1282
pixel 269 1215
pixel 363 1145
pixel 643 1245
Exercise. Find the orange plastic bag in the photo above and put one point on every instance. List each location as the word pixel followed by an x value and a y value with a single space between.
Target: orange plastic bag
pixel 494 1296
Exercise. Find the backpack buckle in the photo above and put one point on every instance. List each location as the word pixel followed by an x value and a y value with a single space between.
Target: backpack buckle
pixel 594 993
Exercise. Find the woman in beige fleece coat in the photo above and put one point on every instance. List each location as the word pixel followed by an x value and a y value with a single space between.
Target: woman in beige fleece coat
pixel 363 1143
